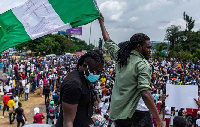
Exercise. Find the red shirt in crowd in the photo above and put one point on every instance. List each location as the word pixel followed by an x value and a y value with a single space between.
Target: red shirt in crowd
pixel 16 68
pixel 6 99
pixel 23 76
pixel 193 112
pixel 104 91
pixel 38 76
pixel 38 117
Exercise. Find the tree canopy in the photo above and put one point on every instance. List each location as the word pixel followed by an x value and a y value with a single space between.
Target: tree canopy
pixel 55 44
pixel 184 43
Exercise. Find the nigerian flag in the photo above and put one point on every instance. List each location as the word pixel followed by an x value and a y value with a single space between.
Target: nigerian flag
pixel 36 18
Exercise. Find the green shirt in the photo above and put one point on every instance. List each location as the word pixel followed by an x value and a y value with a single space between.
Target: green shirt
pixel 131 79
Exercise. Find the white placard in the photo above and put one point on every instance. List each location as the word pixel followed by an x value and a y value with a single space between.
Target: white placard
pixel 181 96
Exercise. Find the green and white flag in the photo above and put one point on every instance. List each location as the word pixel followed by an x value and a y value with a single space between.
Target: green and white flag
pixel 37 18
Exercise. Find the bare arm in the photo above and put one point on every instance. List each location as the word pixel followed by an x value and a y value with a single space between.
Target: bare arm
pixel 197 102
pixel 69 113
pixel 148 100
pixel 24 116
pixel 105 34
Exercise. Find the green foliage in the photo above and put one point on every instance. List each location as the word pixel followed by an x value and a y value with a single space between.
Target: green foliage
pixel 184 44
pixel 196 54
pixel 182 55
pixel 172 35
pixel 55 44
pixel 158 50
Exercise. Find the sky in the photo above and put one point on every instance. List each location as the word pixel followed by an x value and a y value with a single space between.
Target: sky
pixel 123 18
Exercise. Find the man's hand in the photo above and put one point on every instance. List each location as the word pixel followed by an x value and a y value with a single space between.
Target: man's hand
pixel 101 19
pixel 105 34
pixel 197 101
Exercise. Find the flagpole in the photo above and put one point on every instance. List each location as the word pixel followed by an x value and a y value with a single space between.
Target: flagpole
pixel 90 33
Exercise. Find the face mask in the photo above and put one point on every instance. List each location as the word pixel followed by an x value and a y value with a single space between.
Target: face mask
pixel 91 77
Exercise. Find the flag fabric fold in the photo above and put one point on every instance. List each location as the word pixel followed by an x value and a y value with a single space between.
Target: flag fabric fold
pixel 36 18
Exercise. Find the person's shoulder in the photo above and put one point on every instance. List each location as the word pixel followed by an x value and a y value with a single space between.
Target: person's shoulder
pixel 74 76
pixel 40 113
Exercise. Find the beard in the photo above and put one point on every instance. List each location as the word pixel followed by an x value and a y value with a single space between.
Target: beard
pixel 145 54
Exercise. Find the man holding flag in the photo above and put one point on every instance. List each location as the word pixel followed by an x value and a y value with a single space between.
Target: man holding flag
pixel 131 96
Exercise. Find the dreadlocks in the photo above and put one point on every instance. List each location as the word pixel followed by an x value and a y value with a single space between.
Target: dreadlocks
pixel 96 55
pixel 126 47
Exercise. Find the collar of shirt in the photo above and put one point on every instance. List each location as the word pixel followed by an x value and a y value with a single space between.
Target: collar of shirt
pixel 137 53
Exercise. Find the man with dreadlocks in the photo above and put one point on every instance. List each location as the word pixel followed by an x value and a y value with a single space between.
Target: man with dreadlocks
pixel 75 93
pixel 131 99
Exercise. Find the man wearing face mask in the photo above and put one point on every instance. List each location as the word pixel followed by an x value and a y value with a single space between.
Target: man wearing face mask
pixel 75 91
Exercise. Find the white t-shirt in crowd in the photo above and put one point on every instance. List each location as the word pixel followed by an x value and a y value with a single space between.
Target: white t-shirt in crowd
pixel 7 87
pixel 168 111
pixel 104 108
pixel 27 89
pixel 23 83
pixel 41 83
pixel 28 68
pixel 21 68
pixel 10 66
pixel 16 101
pixel 65 72
pixel 11 83
pixel 105 97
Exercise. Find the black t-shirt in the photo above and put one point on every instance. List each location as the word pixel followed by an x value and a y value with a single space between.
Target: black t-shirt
pixel 47 91
pixel 50 119
pixel 76 90
pixel 19 112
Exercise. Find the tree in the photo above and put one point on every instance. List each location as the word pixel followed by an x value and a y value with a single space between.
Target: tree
pixel 55 44
pixel 189 26
pixel 172 34
pixel 159 50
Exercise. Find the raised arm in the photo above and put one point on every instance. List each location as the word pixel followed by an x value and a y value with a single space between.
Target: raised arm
pixel 105 34
pixel 109 44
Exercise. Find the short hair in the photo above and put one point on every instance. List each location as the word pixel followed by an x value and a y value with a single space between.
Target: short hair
pixel 96 55
pixel 179 121
pixel 11 97
pixel 19 104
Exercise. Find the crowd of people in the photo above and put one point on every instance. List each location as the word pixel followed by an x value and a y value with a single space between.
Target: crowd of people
pixel 87 90
pixel 25 75
pixel 47 74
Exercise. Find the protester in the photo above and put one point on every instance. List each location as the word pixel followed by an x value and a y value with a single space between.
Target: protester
pixel 50 117
pixel 179 122
pixel 11 105
pixel 46 93
pixel 16 99
pixel 167 116
pixel 5 102
pixel 75 95
pixel 133 81
pixel 27 90
pixel 20 114
pixel 38 117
